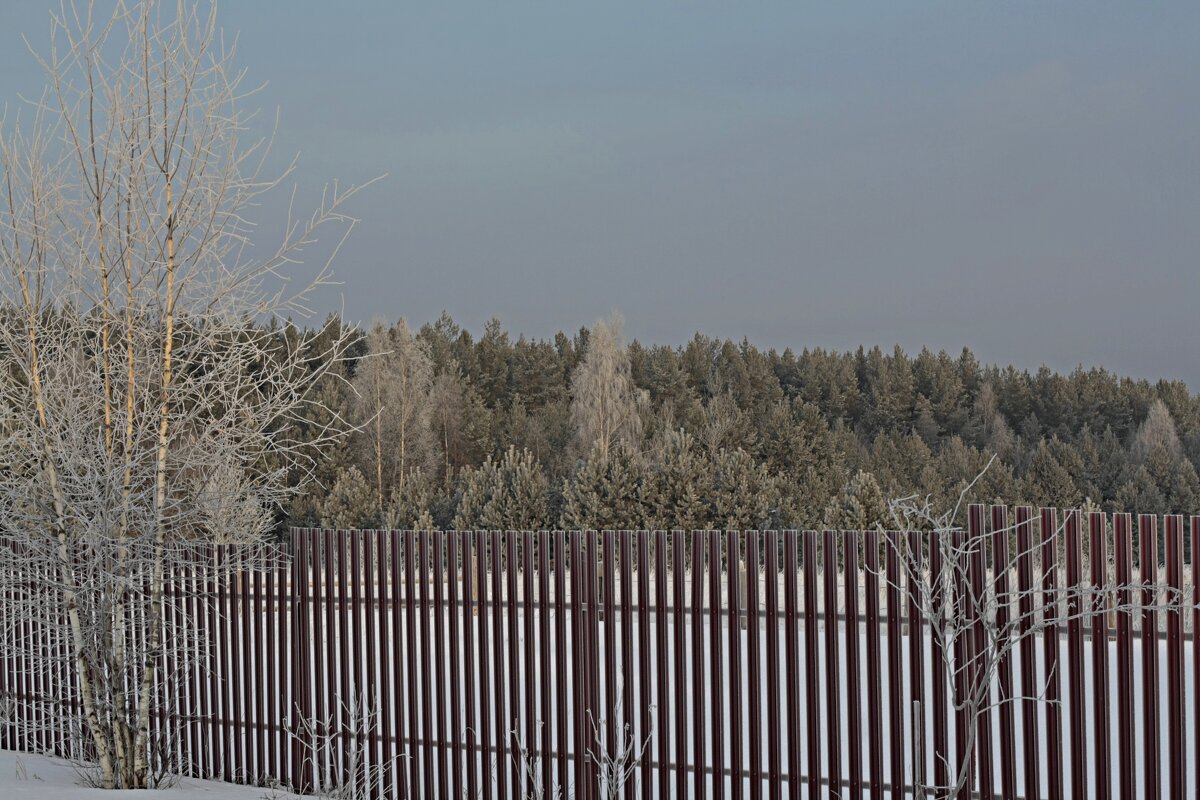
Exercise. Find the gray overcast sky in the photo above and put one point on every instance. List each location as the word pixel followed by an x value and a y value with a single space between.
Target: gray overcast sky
pixel 1021 178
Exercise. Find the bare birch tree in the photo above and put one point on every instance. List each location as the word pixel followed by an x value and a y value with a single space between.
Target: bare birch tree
pixel 145 409
pixel 605 403
pixel 965 587
pixel 393 384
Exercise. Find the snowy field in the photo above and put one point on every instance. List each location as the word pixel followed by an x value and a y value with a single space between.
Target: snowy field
pixel 23 775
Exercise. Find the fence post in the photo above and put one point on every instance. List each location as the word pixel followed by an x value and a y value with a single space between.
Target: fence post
pixel 302 743
pixel 918 752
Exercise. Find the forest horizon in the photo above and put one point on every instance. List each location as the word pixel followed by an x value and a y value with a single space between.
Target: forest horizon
pixel 458 430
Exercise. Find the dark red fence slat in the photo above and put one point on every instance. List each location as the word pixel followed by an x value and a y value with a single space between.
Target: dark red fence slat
pixel 874 665
pixel 753 665
pixel 549 677
pixel 303 762
pixel 593 655
pixel 197 707
pixel 679 667
pixel 329 707
pixel 791 614
pixel 453 582
pixel 498 645
pixel 387 635
pixel 537 751
pixel 1101 691
pixel 627 625
pixel 853 697
pixel 812 674
pixel 483 564
pixel 895 657
pixel 7 668
pixel 1123 562
pixel 238 653
pixel 716 637
pixel 645 657
pixel 320 677
pixel 833 667
pixel 345 639
pixel 578 666
pixel 1194 541
pixel 774 766
pixel 512 725
pixel 224 674
pixel 372 772
pixel 399 702
pixel 916 647
pixel 560 643
pixel 1077 668
pixel 979 645
pixel 662 622
pixel 1176 699
pixel 1148 525
pixel 431 672
pixel 697 679
pixel 1031 755
pixel 733 567
pixel 1051 663
pixel 941 722
pixel 417 725
pixel 958 564
pixel 287 711
pixel 471 571
pixel 1005 698
pixel 608 591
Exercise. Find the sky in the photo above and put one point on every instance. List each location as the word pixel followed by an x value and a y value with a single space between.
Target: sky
pixel 1019 178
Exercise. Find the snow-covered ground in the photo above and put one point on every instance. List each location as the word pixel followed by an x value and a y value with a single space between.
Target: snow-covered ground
pixel 23 775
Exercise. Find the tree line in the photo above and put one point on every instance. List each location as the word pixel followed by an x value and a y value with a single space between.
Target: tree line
pixel 587 431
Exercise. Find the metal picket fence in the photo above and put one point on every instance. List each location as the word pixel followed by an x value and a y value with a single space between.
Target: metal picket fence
pixel 747 664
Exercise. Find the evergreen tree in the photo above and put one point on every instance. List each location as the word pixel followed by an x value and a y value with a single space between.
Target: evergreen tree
pixel 860 506
pixel 674 484
pixel 1048 482
pixel 351 503
pixel 412 503
pixel 509 494
pixel 741 495
pixel 1139 494
pixel 605 494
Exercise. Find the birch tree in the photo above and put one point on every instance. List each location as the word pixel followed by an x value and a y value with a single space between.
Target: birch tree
pixel 393 384
pixel 145 410
pixel 605 403
pixel 968 588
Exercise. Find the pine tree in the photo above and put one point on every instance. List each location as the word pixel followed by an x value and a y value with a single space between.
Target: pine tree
pixel 1048 482
pixel 605 494
pixel 674 484
pixel 509 494
pixel 860 505
pixel 411 504
pixel 742 495
pixel 351 502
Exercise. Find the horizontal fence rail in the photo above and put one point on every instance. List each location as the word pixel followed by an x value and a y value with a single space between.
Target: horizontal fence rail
pixel 514 664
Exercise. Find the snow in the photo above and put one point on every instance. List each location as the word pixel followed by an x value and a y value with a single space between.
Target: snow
pixel 25 775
